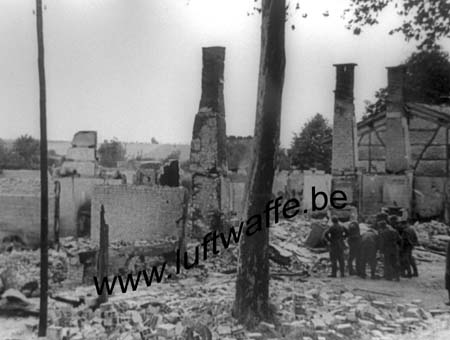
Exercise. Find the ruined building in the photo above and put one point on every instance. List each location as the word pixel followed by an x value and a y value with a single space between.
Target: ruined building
pixel 208 161
pixel 409 139
pixel 402 156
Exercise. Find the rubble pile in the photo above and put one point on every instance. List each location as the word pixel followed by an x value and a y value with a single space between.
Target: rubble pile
pixel 167 311
pixel 21 268
pixel 288 238
pixel 319 312
pixel 433 235
pixel 73 246
pixel 192 308
pixel 288 252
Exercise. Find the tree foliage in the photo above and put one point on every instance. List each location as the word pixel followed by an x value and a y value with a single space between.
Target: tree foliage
pixel 308 148
pixel 427 80
pixel 379 105
pixel 424 21
pixel 24 153
pixel 111 152
pixel 3 154
pixel 428 76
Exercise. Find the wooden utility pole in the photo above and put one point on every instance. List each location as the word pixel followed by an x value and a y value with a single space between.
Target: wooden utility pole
pixel 252 285
pixel 56 220
pixel 103 254
pixel 44 172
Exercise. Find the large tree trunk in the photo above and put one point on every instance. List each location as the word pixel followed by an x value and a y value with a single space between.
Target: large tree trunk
pixel 44 170
pixel 252 286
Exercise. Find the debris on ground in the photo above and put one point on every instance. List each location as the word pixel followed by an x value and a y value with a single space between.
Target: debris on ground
pixel 197 303
pixel 433 235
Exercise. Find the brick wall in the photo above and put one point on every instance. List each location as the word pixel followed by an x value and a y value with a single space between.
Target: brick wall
pixel 21 215
pixel 137 212
pixel 294 184
pixel 371 194
pixel 382 190
pixel 321 182
pixel 75 192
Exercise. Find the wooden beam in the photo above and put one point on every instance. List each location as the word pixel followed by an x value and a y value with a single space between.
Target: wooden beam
pixel 426 147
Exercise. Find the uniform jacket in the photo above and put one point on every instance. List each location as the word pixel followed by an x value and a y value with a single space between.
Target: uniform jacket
pixel 336 235
pixel 390 239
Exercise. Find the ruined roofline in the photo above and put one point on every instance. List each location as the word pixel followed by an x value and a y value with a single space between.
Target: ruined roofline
pixel 435 113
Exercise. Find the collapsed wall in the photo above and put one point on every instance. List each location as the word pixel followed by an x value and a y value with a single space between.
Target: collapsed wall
pixel 208 160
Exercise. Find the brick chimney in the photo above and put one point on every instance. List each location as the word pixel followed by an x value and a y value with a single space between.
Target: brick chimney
pixel 344 122
pixel 212 79
pixel 397 136
pixel 208 146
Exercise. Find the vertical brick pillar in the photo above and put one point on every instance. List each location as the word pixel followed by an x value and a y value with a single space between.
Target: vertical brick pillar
pixel 208 161
pixel 343 163
pixel 208 147
pixel 344 123
pixel 397 137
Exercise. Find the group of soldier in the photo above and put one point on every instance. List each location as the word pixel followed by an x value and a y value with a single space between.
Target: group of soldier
pixel 393 238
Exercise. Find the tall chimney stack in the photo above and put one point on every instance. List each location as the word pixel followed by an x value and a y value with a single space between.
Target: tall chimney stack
pixel 397 137
pixel 212 79
pixel 208 146
pixel 344 122
pixel 208 158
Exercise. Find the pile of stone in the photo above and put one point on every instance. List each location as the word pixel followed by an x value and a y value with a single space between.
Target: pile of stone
pixel 167 311
pixel 288 238
pixel 202 310
pixel 433 235
pixel 318 312
pixel 21 269
pixel 287 252
pixel 73 246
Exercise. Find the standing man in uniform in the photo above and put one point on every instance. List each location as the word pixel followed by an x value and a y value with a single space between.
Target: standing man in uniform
pixel 368 255
pixel 335 236
pixel 409 241
pixel 390 246
pixel 354 243
pixel 402 255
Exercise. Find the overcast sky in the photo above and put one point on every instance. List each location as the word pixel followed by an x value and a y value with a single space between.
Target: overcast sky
pixel 131 69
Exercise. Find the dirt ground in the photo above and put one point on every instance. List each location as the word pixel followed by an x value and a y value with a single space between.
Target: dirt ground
pixel 429 287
